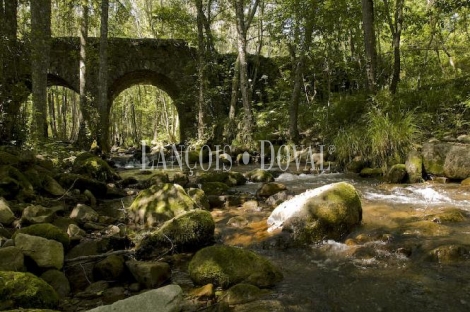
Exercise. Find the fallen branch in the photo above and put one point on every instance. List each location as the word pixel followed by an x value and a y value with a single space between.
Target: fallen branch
pixel 94 257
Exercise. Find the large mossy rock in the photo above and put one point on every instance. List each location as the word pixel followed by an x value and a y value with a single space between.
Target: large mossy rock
pixel 199 196
pixel 163 299
pixel 371 173
pixel 24 290
pixel 48 231
pixel 226 266
pixel 434 156
pixel 149 274
pixel 269 189
pixel 188 232
pixel 34 214
pixel 259 175
pixel 58 281
pixel 397 174
pixel 94 167
pixel 328 212
pixel 457 163
pixel 414 167
pixel 45 253
pixel 14 183
pixel 215 188
pixel 6 215
pixel 160 203
pixel 12 259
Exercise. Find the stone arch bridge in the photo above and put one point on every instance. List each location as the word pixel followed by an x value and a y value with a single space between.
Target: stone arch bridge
pixel 169 65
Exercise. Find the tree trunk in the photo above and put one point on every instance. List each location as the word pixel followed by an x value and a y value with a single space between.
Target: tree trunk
pixel 40 47
pixel 103 129
pixel 298 69
pixel 201 124
pixel 242 29
pixel 396 27
pixel 369 43
pixel 81 139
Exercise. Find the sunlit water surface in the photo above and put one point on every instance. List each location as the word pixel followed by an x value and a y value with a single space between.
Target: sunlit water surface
pixel 384 266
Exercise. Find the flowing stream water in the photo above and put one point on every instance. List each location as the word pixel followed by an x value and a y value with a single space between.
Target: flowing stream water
pixel 387 264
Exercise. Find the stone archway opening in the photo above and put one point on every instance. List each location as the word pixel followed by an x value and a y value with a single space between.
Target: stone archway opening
pixel 63 112
pixel 143 112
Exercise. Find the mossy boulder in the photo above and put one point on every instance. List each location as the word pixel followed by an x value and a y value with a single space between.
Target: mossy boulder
pixel 434 156
pixel 24 290
pixel 269 189
pixel 94 167
pixel 109 269
pixel 149 274
pixel 450 215
pixel 6 215
pixel 83 214
pixel 215 188
pixel 449 254
pixel 243 293
pixel 34 214
pixel 155 179
pixel 58 281
pixel 457 163
pixel 160 203
pixel 46 230
pixel 199 196
pixel 226 266
pixel 13 183
pixel 259 175
pixel 12 259
pixel 397 174
pixel 229 178
pixel 82 183
pixel 414 167
pixel 355 166
pixel 328 212
pixel 44 252
pixel 371 173
pixel 188 232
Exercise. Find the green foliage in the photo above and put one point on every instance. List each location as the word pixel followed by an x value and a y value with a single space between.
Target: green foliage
pixel 378 138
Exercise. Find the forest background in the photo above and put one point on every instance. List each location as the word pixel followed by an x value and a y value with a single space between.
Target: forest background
pixel 375 78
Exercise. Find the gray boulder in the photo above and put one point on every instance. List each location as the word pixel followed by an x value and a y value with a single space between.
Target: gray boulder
pixel 457 163
pixel 6 215
pixel 38 214
pixel 45 252
pixel 150 274
pixel 164 299
pixel 414 167
pixel 434 156
pixel 58 281
pixel 328 212
pixel 83 214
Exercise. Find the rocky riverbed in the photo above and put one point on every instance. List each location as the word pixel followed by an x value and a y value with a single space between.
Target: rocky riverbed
pixel 90 236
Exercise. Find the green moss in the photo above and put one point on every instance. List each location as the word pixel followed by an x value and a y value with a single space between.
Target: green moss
pixel 215 188
pixel 94 167
pixel 243 293
pixel 450 215
pixel 8 159
pixel 199 197
pixel 27 291
pixel 397 174
pixel 46 230
pixel 371 173
pixel 226 266
pixel 160 203
pixel 185 233
pixel 82 183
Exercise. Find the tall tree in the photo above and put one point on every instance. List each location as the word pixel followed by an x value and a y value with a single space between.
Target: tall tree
pixel 368 20
pixel 103 129
pixel 201 70
pixel 243 24
pixel 82 68
pixel 396 26
pixel 40 48
pixel 302 39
